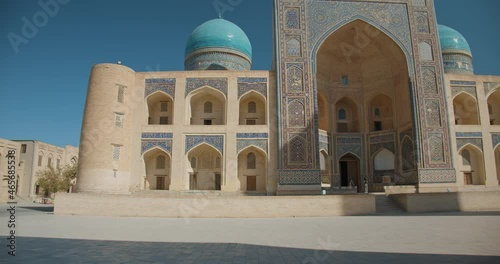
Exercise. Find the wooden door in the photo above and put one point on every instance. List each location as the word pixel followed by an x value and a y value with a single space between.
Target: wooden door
pixel 160 183
pixel 468 178
pixel 251 183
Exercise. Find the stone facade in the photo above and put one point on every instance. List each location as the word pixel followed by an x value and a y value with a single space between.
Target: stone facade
pixel 358 98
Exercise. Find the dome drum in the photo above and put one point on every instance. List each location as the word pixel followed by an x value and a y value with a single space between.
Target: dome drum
pixel 456 52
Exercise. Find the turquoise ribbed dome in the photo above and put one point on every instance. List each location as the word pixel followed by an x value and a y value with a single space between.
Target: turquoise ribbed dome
pixel 452 41
pixel 219 34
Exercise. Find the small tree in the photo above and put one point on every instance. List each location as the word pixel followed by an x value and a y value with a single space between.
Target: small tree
pixel 53 180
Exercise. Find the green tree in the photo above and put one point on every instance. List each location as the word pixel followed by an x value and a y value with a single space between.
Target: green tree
pixel 53 180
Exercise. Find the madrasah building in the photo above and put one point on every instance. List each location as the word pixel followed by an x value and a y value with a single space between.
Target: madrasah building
pixel 362 96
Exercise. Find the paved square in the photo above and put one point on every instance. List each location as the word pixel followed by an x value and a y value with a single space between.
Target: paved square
pixel 424 238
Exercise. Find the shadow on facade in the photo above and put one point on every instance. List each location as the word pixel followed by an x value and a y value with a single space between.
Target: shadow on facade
pixel 93 251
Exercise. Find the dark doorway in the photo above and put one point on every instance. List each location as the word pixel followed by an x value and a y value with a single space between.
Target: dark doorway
pixel 344 177
pixel 160 183
pixel 217 182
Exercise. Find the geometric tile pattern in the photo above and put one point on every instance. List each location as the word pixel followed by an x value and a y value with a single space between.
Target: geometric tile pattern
pixel 408 154
pixel 471 90
pixel 216 83
pixel 489 86
pixel 157 135
pixel 293 47
pixel 215 141
pixel 437 176
pixel 297 149
pixel 295 78
pixel 165 85
pixel 422 22
pixel 292 18
pixel 436 148
pixel 252 84
pixel 496 139
pixel 349 144
pixel 299 177
pixel 467 83
pixel 478 142
pixel 251 135
pixel 432 113
pixel 430 81
pixel 258 143
pixel 469 134
pixel 419 2
pixel 165 145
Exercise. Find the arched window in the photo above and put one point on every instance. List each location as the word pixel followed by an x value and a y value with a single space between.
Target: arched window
pixel 193 162
pixel 377 112
pixel 208 107
pixel 252 107
pixel 160 162
pixel 74 160
pixel 251 162
pixel 342 114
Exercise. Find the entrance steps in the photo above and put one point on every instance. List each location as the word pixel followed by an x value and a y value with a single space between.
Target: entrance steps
pixel 386 205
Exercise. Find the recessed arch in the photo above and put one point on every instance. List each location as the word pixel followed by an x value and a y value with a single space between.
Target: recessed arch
pixel 323 112
pixel 160 108
pixel 381 113
pixel 252 178
pixel 196 101
pixel 465 109
pixel 158 165
pixel 350 171
pixel 384 165
pixel 380 29
pixel 493 101
pixel 257 117
pixel 255 147
pixel 325 167
pixel 473 171
pixel 206 175
pixel 346 107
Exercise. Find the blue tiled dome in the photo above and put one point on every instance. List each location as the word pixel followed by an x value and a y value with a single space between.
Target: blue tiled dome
pixel 219 33
pixel 452 41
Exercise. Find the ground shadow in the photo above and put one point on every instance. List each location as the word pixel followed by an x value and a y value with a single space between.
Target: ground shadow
pixel 30 250
pixel 45 209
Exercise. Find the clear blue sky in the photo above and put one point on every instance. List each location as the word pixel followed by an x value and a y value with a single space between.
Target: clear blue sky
pixel 43 86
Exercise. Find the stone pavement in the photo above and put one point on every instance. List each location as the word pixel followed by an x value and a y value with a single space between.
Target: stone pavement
pixel 423 238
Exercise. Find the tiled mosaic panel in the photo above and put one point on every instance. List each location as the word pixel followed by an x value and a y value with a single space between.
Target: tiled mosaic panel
pixel 299 177
pixel 353 145
pixel 374 148
pixel 469 134
pixel 215 141
pixel 459 63
pixel 466 157
pixel 471 90
pixel 461 142
pixel 258 143
pixel 433 113
pixel 468 83
pixel 422 19
pixel 419 2
pixel 295 78
pixel 252 135
pixel 224 61
pixel 382 138
pixel 165 85
pixel 437 176
pixel 436 148
pixel 246 85
pixel 425 51
pixel 490 86
pixel 296 114
pixel 430 82
pixel 408 154
pixel 496 139
pixel 216 83
pixel 297 149
pixel 157 135
pixel 292 18
pixel 293 47
pixel 165 145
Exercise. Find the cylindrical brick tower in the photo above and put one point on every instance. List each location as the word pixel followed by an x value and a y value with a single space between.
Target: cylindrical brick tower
pixel 104 163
